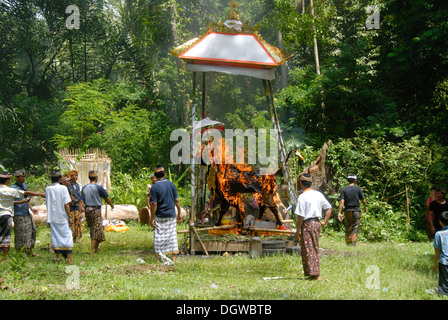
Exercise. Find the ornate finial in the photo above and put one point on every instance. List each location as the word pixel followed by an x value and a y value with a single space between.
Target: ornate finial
pixel 234 14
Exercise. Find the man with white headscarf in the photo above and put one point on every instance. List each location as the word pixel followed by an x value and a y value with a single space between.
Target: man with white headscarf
pixel 349 200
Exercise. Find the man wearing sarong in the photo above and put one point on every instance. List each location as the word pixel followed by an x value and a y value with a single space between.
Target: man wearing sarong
pixel 164 201
pixel 92 196
pixel 7 196
pixel 309 208
pixel 58 215
pixel 349 200
pixel 24 226
pixel 75 214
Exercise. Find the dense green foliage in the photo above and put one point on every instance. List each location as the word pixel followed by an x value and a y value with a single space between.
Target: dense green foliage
pixel 380 94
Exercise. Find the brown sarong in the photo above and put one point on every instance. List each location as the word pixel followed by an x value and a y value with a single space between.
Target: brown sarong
pixel 95 224
pixel 309 246
pixel 352 221
pixel 76 225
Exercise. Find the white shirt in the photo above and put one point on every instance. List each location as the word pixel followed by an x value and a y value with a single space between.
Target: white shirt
pixel 56 197
pixel 7 196
pixel 310 204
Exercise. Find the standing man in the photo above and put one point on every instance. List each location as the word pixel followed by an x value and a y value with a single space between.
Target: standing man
pixel 309 211
pixel 164 201
pixel 349 198
pixel 75 193
pixel 24 226
pixel 92 196
pixel 58 216
pixel 436 207
pixel 7 196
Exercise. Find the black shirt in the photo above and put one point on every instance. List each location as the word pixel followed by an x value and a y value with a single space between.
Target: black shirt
pixel 437 209
pixel 351 196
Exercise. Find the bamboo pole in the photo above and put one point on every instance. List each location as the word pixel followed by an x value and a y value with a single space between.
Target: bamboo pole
pixel 199 238
pixel 232 226
pixel 192 163
pixel 269 94
pixel 209 228
pixel 271 230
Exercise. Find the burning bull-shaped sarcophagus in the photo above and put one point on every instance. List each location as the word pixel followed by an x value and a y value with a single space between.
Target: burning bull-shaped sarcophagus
pixel 229 182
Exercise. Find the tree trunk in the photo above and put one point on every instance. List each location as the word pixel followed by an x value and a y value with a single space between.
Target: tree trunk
pixel 185 104
pixel 283 68
pixel 316 51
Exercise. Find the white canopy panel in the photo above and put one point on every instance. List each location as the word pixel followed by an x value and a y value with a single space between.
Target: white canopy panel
pixel 267 74
pixel 228 48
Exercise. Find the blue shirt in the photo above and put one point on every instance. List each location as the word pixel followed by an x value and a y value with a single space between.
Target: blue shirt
pixel 75 191
pixel 441 242
pixel 93 194
pixel 21 209
pixel 164 193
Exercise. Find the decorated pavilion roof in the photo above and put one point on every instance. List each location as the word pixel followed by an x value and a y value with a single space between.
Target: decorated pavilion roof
pixel 232 45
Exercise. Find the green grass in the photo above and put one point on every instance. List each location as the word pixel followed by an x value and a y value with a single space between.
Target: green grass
pixel 402 272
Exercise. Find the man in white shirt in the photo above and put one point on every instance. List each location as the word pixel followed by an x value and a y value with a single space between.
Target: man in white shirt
pixel 309 211
pixel 58 213
pixel 7 196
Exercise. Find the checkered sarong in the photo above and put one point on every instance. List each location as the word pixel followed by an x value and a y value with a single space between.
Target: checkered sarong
pixel 165 236
pixel 5 232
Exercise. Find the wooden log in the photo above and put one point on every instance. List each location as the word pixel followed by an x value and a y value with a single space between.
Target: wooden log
pixel 121 212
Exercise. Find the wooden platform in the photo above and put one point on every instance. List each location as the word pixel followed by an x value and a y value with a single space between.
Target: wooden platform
pixel 255 248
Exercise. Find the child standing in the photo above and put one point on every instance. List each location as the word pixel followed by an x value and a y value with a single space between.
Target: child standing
pixel 441 253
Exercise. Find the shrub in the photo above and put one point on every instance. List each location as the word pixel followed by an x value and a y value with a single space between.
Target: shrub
pixel 390 173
